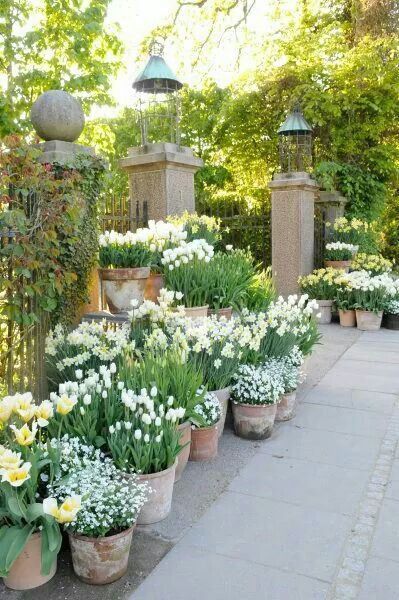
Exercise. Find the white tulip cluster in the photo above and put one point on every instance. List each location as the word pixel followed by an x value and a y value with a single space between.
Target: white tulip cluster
pixel 186 253
pixel 342 246
pixel 364 281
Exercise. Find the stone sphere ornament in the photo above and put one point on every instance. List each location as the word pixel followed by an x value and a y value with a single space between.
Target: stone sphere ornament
pixel 56 115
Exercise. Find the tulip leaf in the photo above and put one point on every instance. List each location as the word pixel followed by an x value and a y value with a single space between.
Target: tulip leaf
pixel 51 544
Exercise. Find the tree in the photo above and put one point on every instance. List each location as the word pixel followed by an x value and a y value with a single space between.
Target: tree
pixel 66 46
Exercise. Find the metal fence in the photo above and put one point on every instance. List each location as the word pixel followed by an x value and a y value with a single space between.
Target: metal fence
pixel 120 214
pixel 320 212
pixel 22 343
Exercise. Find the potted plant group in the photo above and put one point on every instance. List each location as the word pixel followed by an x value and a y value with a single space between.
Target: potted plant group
pixel 125 263
pixel 370 297
pixel 339 255
pixel 187 270
pixel 345 301
pixel 288 368
pixel 255 393
pixel 375 264
pixel 391 314
pixel 101 535
pixel 321 286
pixel 30 536
pixel 204 435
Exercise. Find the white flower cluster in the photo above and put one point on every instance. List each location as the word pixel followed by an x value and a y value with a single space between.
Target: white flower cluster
pixel 186 253
pixel 291 315
pixel 366 282
pixel 258 385
pixel 209 411
pixel 88 340
pixel 110 501
pixel 342 246
pixel 156 313
pixel 156 236
pixel 283 367
pixel 392 307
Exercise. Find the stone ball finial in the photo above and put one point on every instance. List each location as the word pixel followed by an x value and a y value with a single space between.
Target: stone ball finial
pixel 56 115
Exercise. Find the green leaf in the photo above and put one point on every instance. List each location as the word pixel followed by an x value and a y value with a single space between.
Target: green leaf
pixel 12 542
pixel 34 511
pixel 51 544
pixel 15 508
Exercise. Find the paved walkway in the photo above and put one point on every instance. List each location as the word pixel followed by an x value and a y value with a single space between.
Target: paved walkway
pixel 314 514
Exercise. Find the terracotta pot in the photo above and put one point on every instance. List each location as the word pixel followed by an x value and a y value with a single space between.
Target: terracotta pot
pixel 101 560
pixel 391 321
pixel 159 502
pixel 204 443
pixel 254 421
pixel 286 408
pixel 121 286
pixel 182 458
pixel 153 286
pixel 368 321
pixel 338 264
pixel 25 572
pixel 325 311
pixel 223 395
pixel 347 318
pixel 221 312
pixel 196 312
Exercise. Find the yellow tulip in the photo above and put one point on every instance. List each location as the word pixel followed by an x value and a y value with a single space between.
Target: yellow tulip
pixel 10 460
pixel 16 477
pixel 44 413
pixel 25 436
pixel 6 408
pixel 66 513
pixel 65 404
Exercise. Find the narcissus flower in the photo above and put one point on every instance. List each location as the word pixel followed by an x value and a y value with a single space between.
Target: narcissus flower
pixel 16 477
pixel 25 436
pixel 65 404
pixel 66 513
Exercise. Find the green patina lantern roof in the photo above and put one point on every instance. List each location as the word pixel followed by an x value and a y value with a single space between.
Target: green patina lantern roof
pixel 157 76
pixel 295 123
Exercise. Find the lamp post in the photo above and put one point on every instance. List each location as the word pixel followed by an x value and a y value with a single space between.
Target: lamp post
pixel 293 194
pixel 161 171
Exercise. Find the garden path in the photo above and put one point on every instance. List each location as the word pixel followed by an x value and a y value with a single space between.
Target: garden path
pixel 314 512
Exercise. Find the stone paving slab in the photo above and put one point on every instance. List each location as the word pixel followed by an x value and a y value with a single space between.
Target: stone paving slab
pixel 380 581
pixel 355 374
pixel 379 402
pixel 325 487
pixel 382 352
pixel 272 533
pixel 386 537
pixel 192 574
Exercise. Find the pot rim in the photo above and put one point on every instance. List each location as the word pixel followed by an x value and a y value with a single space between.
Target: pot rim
pixel 342 262
pixel 126 273
pixel 86 538
pixel 370 312
pixel 155 475
pixel 325 302
pixel 184 425
pixel 255 405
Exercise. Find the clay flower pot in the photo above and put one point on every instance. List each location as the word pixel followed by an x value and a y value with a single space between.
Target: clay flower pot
pixel 368 321
pixel 221 312
pixel 121 286
pixel 254 421
pixel 286 408
pixel 391 321
pixel 196 312
pixel 159 501
pixel 185 440
pixel 325 311
pixel 100 560
pixel 223 395
pixel 347 318
pixel 25 572
pixel 204 443
pixel 338 264
pixel 153 287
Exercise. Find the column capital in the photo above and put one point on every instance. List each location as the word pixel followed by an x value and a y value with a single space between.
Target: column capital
pixel 163 155
pixel 296 180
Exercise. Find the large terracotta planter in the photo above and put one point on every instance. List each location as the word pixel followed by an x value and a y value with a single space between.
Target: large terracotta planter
pixel 252 421
pixel 121 286
pixel 101 560
pixel 391 321
pixel 204 443
pixel 25 573
pixel 185 440
pixel 338 264
pixel 221 312
pixel 368 321
pixel 325 311
pixel 223 395
pixel 159 501
pixel 347 318
pixel 196 312
pixel 153 287
pixel 286 408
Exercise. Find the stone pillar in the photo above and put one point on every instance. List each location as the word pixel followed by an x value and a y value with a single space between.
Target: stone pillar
pixel 161 180
pixel 293 197
pixel 332 203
